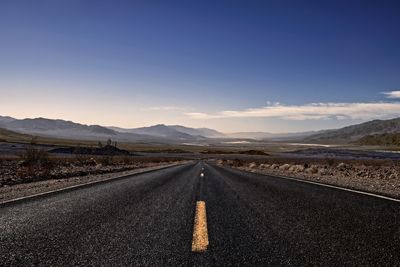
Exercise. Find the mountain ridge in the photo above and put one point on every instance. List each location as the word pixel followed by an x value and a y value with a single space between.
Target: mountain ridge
pixel 352 133
pixel 67 129
pixel 162 133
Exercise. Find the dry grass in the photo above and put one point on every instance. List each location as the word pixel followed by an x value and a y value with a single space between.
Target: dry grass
pixel 35 165
pixel 35 162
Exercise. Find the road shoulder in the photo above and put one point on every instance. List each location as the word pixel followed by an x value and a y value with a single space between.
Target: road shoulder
pixel 21 191
pixel 355 189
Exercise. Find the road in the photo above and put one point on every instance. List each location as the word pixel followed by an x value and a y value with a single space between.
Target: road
pixel 251 219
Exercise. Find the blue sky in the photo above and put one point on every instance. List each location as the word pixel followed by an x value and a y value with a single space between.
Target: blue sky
pixel 229 65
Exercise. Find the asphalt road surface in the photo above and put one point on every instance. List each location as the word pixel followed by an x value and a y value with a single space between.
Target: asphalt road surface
pixel 251 219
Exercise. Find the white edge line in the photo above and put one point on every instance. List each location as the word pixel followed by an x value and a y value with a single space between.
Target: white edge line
pixel 81 185
pixel 324 185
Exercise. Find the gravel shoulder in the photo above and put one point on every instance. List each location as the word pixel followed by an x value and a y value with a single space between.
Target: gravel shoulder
pixel 27 189
pixel 382 180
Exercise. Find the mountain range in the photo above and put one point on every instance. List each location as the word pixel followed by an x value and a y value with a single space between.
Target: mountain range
pixel 354 133
pixel 67 129
pixel 180 134
pixel 173 131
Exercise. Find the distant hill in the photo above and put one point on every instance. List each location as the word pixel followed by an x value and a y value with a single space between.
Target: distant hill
pixel 386 139
pixel 71 130
pixel 173 131
pixel 161 130
pixel 46 126
pixel 355 132
pixel 206 132
pixel 57 128
pixel 11 136
pixel 6 119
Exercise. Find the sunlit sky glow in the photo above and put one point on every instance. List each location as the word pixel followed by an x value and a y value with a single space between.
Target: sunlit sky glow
pixel 277 66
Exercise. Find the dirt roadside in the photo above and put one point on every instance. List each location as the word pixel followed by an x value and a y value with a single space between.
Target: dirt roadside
pixel 383 180
pixel 27 189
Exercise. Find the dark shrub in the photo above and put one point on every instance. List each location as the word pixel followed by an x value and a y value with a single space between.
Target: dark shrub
pixel 35 162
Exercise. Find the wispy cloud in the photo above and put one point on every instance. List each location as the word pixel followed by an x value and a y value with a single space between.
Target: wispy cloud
pixel 167 108
pixel 392 94
pixel 312 111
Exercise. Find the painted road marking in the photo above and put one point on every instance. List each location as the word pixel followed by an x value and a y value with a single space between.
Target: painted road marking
pixel 200 234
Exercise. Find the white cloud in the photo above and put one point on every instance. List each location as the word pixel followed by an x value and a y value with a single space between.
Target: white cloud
pixel 168 108
pixel 312 111
pixel 392 94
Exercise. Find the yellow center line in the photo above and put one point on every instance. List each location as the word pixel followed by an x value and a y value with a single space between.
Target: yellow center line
pixel 200 234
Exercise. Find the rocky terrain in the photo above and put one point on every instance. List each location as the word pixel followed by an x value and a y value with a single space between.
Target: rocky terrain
pixel 377 176
pixel 37 187
pixel 18 171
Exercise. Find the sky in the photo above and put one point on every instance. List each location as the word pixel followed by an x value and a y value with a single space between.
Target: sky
pixel 275 66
